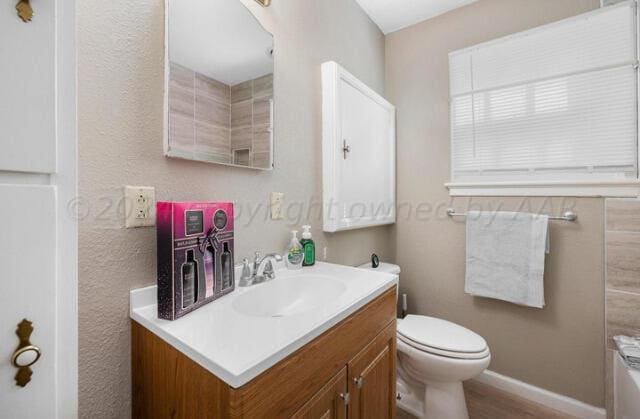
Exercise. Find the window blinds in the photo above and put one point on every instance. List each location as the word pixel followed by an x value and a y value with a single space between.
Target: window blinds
pixel 556 103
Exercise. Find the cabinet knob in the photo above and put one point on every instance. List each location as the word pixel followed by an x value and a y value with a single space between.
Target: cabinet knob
pixel 25 355
pixel 359 381
pixel 346 148
pixel 346 398
pixel 25 12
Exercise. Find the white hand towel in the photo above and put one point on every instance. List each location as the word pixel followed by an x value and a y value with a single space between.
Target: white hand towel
pixel 505 256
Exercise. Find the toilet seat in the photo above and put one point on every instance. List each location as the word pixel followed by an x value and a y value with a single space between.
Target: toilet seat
pixel 442 338
pixel 446 354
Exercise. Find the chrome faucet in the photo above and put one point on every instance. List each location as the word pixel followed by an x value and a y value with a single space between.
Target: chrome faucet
pixel 262 269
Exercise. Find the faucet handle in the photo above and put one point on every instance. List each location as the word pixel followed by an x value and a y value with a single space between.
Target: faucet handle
pixel 269 272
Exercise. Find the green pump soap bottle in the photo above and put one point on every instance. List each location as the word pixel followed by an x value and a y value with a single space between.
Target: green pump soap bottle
pixel 308 247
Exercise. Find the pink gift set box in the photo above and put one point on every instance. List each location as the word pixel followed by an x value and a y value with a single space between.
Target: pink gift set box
pixel 195 255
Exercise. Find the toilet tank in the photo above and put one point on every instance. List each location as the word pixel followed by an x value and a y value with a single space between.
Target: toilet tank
pixel 626 390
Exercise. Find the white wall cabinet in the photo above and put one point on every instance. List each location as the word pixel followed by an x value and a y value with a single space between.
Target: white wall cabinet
pixel 359 153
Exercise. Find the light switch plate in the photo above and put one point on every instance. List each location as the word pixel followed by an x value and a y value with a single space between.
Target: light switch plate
pixel 140 206
pixel 276 205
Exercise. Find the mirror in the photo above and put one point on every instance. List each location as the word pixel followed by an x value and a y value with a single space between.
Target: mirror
pixel 219 84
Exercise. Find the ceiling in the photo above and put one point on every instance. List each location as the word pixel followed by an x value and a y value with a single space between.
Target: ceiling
pixel 220 39
pixel 393 15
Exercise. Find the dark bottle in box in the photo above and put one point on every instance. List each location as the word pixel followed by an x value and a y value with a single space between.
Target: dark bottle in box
pixel 226 260
pixel 189 280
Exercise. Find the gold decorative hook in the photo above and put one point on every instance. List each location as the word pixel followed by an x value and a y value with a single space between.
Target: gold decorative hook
pixel 25 12
pixel 265 3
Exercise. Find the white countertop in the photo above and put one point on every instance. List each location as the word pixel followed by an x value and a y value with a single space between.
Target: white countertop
pixel 237 347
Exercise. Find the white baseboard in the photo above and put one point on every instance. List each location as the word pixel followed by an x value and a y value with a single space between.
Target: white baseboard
pixel 541 396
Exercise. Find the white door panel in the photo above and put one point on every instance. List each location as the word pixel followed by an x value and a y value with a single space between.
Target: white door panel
pixel 28 290
pixel 38 178
pixel 28 89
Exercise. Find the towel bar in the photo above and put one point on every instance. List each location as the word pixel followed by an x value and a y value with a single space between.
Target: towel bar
pixel 567 216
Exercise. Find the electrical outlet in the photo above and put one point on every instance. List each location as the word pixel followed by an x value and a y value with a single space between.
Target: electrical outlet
pixel 277 198
pixel 140 206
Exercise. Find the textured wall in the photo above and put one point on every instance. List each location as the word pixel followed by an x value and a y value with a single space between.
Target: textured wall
pixel 560 348
pixel 120 60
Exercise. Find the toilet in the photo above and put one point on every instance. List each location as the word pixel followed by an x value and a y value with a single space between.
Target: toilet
pixel 434 357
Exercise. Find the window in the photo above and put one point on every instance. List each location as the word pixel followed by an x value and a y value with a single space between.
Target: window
pixel 556 105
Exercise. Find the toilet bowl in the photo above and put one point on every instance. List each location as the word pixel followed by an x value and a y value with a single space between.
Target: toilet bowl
pixel 434 357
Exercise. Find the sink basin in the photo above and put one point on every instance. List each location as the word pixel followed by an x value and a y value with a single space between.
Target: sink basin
pixel 289 296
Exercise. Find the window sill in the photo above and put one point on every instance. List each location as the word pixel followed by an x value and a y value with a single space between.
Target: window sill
pixel 628 188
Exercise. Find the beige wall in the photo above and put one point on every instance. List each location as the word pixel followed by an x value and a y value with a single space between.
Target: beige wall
pixel 560 348
pixel 120 62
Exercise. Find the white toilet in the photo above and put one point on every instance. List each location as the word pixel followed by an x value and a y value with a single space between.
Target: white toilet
pixel 434 357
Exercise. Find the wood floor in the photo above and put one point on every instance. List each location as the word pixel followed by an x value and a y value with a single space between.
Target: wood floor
pixel 485 402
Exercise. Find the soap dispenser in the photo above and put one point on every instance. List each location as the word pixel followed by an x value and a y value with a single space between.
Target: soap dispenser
pixel 308 247
pixel 294 252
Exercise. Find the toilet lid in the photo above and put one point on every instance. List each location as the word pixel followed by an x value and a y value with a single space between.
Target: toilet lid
pixel 441 334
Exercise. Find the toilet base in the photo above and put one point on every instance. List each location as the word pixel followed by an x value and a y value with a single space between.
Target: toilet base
pixel 436 401
pixel 408 400
pixel 445 400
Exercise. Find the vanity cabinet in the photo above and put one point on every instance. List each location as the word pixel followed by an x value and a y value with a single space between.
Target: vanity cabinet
pixel 347 372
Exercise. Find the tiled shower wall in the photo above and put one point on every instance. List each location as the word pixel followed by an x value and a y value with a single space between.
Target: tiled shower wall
pixel 199 114
pixel 622 294
pixel 251 119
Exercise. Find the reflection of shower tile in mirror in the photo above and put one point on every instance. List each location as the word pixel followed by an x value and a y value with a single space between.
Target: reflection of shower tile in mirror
pixel 261 111
pixel 261 160
pixel 213 88
pixel 181 132
pixel 181 101
pixel 241 113
pixel 224 124
pixel 180 76
pixel 211 111
pixel 242 91
pixel 263 86
pixel 261 138
pixel 214 141
pixel 242 157
pixel 241 137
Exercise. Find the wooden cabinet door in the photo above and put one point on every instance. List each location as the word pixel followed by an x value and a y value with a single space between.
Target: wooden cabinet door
pixel 330 402
pixel 372 378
